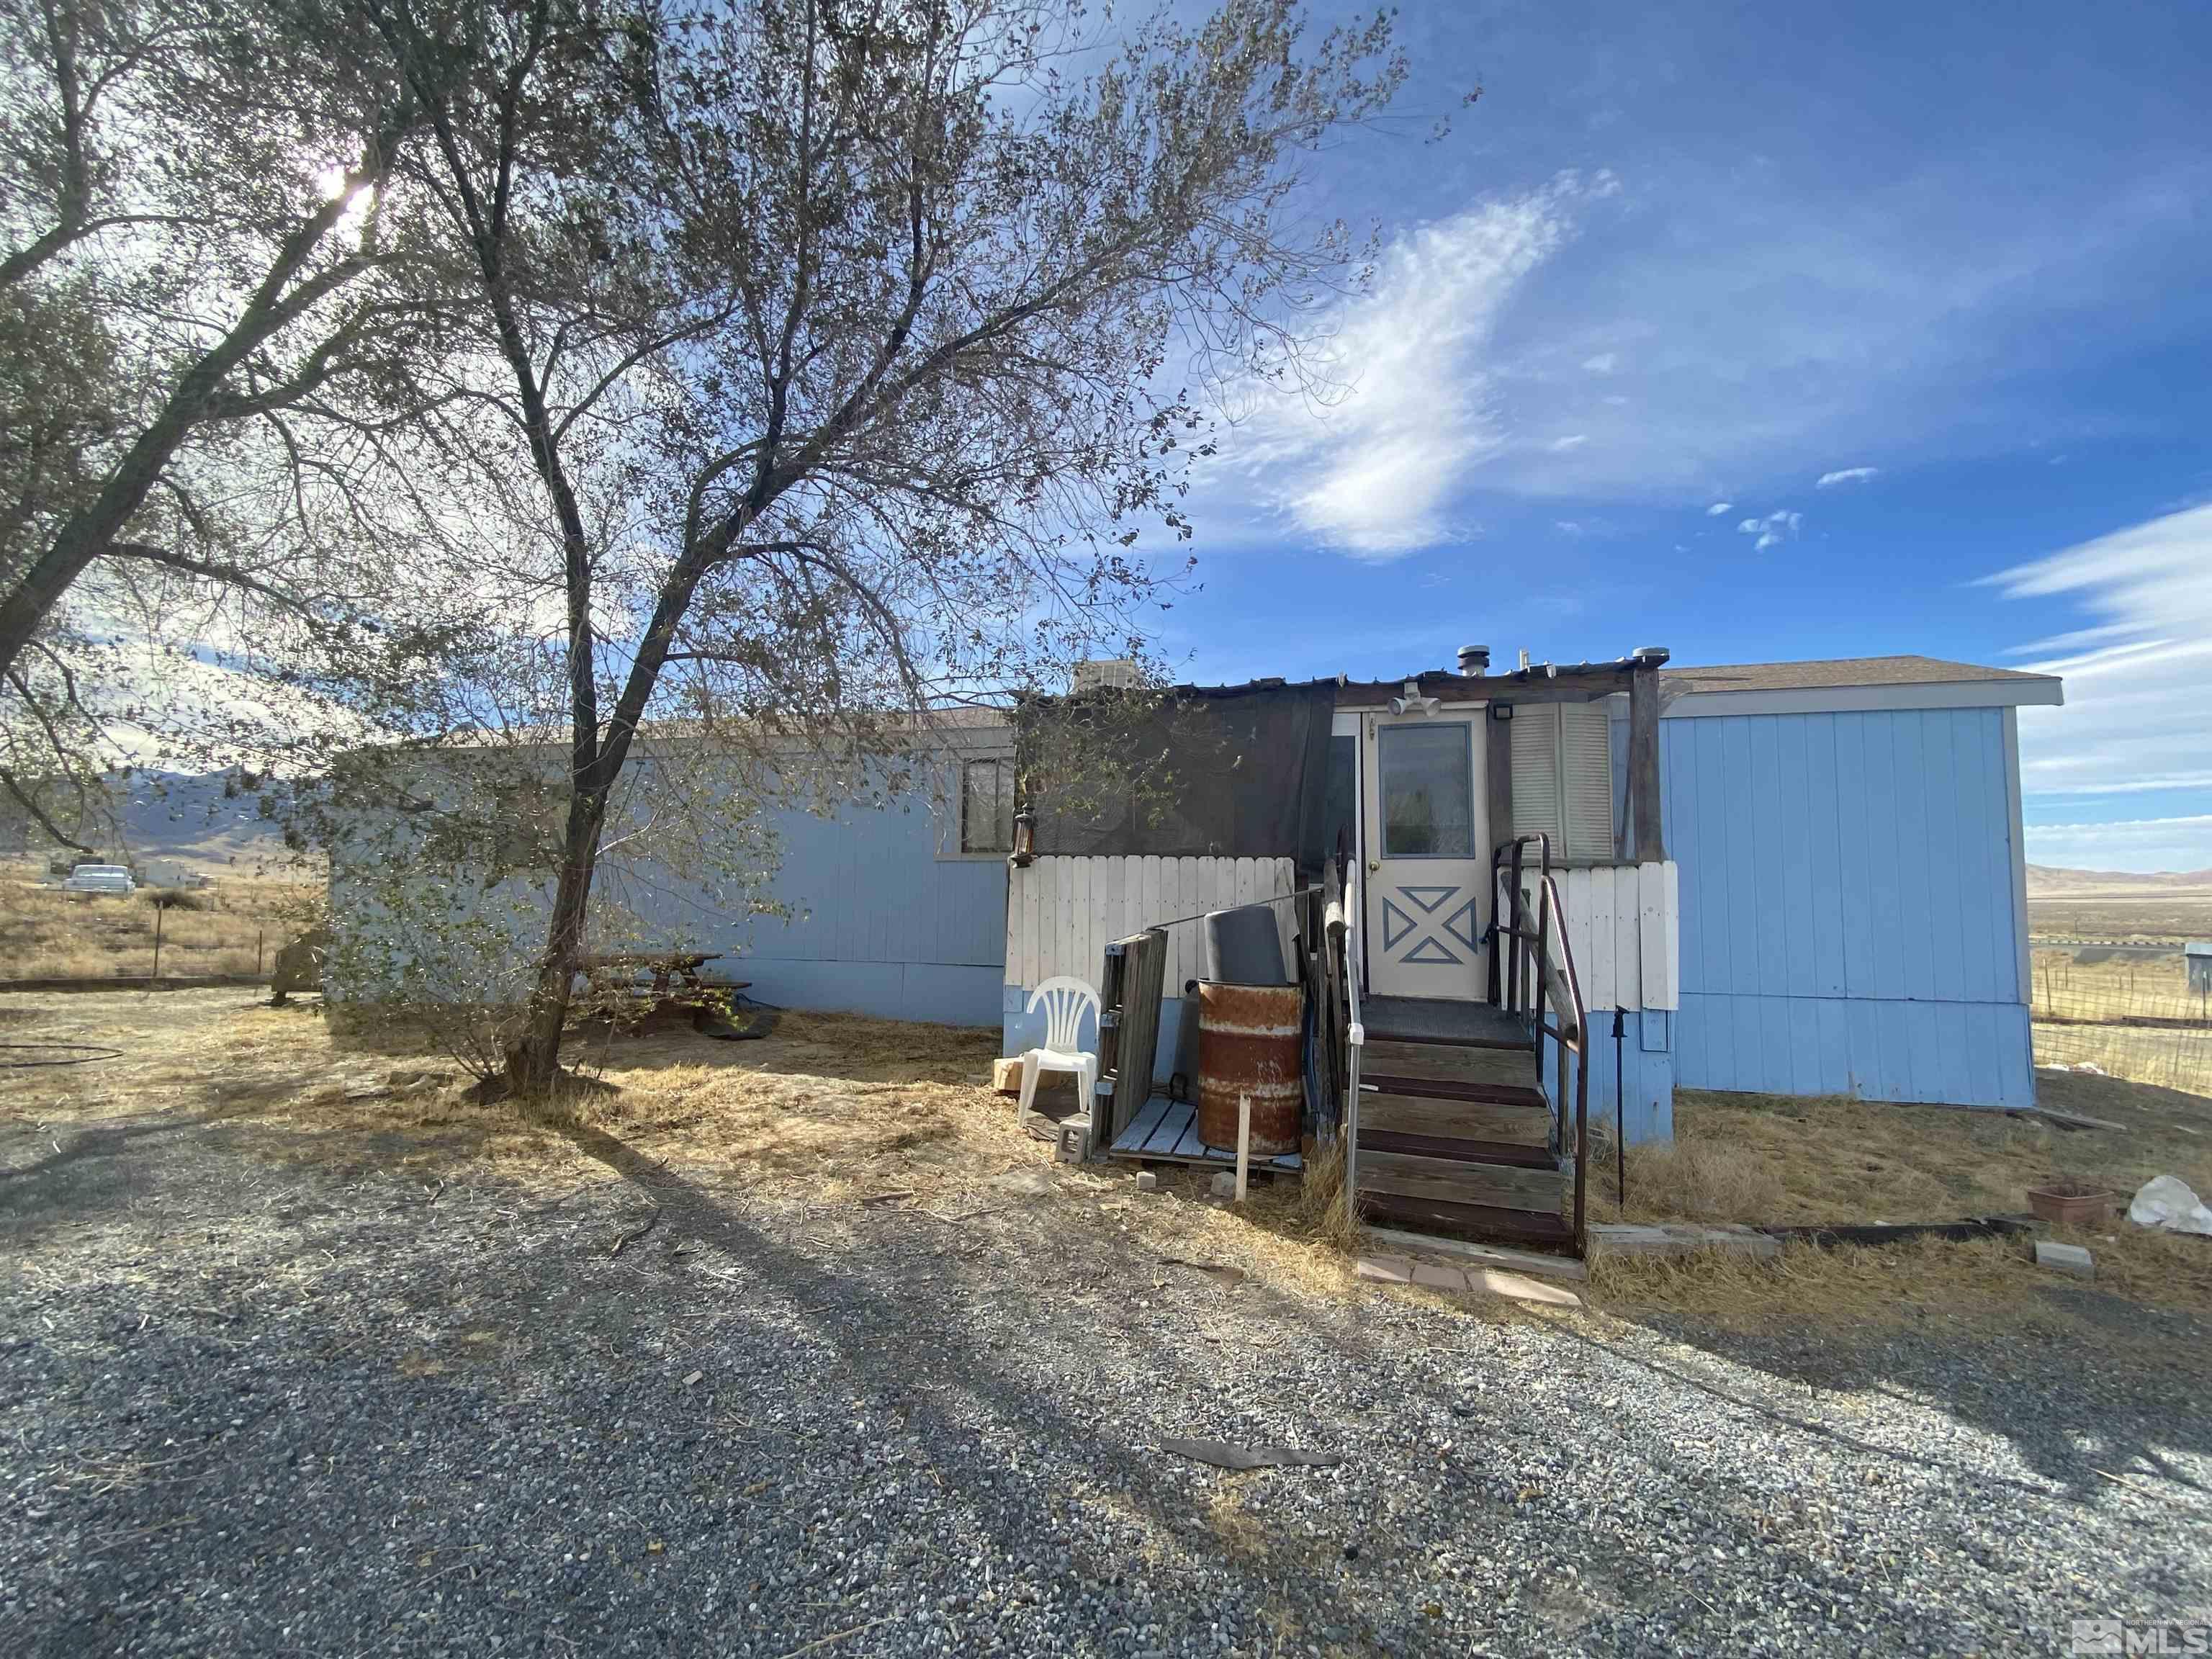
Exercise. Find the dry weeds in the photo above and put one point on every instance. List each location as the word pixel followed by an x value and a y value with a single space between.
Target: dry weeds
pixel 1767 1160
pixel 237 928
pixel 841 1112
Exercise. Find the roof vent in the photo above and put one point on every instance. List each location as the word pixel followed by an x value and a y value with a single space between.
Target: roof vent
pixel 1474 659
pixel 1650 655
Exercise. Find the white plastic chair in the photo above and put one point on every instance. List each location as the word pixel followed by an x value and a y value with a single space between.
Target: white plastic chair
pixel 1065 1000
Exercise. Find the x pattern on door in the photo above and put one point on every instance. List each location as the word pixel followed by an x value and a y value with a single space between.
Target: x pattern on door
pixel 1423 918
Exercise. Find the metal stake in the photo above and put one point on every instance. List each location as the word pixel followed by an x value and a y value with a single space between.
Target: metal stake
pixel 1620 1140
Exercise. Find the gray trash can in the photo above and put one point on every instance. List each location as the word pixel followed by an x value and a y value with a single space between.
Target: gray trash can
pixel 1243 946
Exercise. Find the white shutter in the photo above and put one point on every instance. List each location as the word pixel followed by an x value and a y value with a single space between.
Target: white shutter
pixel 1586 764
pixel 1536 772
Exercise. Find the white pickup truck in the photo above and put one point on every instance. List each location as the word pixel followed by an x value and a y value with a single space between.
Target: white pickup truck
pixel 99 878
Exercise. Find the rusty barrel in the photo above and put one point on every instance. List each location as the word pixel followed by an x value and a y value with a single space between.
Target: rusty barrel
pixel 1248 1044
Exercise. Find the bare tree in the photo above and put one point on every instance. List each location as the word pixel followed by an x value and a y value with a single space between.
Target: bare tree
pixel 847 339
pixel 211 295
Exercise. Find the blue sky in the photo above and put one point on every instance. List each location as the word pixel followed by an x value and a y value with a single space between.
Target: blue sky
pixel 1919 293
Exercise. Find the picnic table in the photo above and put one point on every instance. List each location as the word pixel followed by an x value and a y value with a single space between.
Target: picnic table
pixel 666 967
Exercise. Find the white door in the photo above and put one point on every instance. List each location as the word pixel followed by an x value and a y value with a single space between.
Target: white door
pixel 1427 839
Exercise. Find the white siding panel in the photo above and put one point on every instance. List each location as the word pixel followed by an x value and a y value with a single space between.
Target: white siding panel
pixel 1651 901
pixel 1627 949
pixel 1063 912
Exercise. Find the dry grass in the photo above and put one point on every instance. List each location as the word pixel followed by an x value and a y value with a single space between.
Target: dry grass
pixel 829 1109
pixel 2091 1009
pixel 1771 1160
pixel 52 934
pixel 838 1110
pixel 2182 914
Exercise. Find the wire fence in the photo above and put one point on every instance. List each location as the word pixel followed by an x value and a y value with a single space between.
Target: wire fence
pixel 2129 1014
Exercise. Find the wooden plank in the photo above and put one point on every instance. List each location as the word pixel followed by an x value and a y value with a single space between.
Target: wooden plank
pixel 1448 1063
pixel 1178 1132
pixel 1598 970
pixel 1143 1125
pixel 1033 907
pixel 1627 949
pixel 1170 879
pixel 1105 901
pixel 1461 1119
pixel 1590 934
pixel 1649 843
pixel 1541 1227
pixel 1403 1174
pixel 1651 931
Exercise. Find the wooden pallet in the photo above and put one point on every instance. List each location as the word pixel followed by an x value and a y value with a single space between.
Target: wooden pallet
pixel 1166 1132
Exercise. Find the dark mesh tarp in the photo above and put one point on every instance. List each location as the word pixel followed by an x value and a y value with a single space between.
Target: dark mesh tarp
pixel 1234 772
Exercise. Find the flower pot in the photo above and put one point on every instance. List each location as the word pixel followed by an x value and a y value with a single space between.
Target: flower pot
pixel 2070 1203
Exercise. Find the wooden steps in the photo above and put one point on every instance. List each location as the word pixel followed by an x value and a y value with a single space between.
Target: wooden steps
pixel 1515 1124
pixel 1458 1138
pixel 1460 1181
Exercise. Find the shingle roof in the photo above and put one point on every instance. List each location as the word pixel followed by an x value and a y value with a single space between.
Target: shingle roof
pixel 1831 672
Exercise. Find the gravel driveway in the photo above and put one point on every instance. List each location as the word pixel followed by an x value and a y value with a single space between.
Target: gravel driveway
pixel 258 1402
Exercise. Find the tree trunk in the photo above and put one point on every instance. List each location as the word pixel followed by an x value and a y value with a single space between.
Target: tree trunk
pixel 533 1060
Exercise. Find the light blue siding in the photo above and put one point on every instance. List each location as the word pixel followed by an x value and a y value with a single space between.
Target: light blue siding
pixel 1847 922
pixel 1647 1064
pixel 875 921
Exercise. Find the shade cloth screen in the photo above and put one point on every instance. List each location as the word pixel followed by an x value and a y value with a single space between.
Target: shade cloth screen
pixel 1242 773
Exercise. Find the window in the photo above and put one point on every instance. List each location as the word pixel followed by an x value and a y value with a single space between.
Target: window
pixel 1427 775
pixel 1562 778
pixel 986 807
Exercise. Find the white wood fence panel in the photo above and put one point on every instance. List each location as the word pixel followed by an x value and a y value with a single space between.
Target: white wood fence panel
pixel 1624 925
pixel 1061 912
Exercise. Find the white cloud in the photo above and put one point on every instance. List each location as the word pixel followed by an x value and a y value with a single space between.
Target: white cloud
pixel 1772 530
pixel 1718 508
pixel 1603 363
pixel 2142 844
pixel 2136 700
pixel 1573 441
pixel 1376 470
pixel 1846 475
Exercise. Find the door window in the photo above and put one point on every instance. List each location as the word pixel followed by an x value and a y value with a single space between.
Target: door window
pixel 1427 777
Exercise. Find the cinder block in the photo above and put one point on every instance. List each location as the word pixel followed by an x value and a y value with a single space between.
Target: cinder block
pixel 1491 1282
pixel 1629 1240
pixel 1433 1276
pixel 2064 1259
pixel 1007 1075
pixel 1074 1143
pixel 1147 1182
pixel 1385 1269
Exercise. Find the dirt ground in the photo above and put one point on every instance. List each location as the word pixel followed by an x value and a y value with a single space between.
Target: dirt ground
pixel 1772 1160
pixel 798 1347
pixel 828 1108
pixel 839 1110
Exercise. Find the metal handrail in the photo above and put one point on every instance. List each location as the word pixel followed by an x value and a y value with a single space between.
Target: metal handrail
pixel 1355 1036
pixel 1527 987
